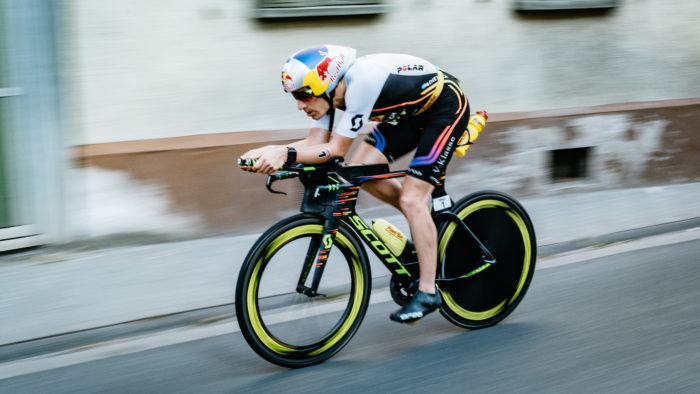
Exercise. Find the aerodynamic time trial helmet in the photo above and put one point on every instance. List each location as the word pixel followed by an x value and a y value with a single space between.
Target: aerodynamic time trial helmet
pixel 316 70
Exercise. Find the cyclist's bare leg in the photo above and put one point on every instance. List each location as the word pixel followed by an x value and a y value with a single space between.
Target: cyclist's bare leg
pixel 414 204
pixel 411 199
pixel 387 190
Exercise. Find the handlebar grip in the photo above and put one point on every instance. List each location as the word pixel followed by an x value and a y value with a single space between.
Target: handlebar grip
pixel 250 162
pixel 246 162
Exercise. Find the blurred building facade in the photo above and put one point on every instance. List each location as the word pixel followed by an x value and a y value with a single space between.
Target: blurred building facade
pixel 153 69
pixel 119 79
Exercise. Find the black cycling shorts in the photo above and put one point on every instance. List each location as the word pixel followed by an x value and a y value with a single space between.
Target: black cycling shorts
pixel 434 134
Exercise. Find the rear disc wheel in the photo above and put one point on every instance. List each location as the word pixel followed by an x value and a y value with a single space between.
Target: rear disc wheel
pixel 505 229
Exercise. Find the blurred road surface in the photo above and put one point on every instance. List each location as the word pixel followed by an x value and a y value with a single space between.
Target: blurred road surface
pixel 623 322
pixel 47 293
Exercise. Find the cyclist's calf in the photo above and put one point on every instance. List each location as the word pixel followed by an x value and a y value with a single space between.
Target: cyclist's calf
pixel 413 201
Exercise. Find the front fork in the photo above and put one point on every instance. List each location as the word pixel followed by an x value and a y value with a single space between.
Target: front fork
pixel 317 255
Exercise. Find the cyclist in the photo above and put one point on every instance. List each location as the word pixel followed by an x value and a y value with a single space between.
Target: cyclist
pixel 405 103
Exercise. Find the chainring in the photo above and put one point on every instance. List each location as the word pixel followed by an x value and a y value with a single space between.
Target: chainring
pixel 401 290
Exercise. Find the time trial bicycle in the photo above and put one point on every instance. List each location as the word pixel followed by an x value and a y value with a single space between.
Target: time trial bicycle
pixel 305 285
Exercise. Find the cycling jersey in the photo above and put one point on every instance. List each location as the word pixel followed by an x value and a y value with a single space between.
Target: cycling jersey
pixel 415 104
pixel 383 87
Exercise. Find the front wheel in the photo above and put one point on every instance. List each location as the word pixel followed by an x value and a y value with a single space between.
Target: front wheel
pixel 287 327
pixel 505 229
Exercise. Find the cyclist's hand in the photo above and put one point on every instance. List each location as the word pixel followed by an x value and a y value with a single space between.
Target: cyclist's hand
pixel 271 160
pixel 242 161
pixel 254 154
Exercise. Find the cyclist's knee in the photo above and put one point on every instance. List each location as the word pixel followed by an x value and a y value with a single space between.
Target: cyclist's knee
pixel 414 199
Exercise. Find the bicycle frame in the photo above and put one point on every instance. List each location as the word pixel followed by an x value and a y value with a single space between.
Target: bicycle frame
pixel 333 195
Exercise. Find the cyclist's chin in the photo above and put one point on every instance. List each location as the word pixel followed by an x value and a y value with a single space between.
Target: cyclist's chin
pixel 315 115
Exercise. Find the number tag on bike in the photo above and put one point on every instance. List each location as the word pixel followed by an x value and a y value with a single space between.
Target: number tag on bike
pixel 441 203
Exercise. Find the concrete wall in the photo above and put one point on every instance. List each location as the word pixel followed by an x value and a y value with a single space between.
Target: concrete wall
pixel 160 96
pixel 190 186
pixel 135 70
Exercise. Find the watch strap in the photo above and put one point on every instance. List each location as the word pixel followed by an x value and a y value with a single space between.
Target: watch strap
pixel 291 156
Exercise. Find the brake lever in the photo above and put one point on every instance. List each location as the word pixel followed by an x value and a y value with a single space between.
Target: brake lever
pixel 268 184
pixel 277 177
pixel 270 178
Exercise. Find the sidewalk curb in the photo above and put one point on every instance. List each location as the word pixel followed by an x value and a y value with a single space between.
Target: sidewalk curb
pixel 619 236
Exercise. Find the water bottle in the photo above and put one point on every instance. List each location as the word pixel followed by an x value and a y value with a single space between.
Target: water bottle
pixel 476 124
pixel 395 240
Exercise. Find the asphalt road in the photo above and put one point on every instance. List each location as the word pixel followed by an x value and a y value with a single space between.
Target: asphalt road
pixel 627 322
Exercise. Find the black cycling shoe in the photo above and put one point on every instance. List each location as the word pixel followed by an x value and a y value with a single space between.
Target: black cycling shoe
pixel 421 304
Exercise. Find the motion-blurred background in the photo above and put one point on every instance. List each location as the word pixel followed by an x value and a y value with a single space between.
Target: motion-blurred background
pixel 120 119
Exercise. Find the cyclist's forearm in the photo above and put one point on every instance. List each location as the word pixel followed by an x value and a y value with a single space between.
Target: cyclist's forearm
pixel 319 153
pixel 299 144
pixel 314 154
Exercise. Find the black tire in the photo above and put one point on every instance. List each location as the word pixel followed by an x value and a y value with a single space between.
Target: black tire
pixel 504 227
pixel 291 329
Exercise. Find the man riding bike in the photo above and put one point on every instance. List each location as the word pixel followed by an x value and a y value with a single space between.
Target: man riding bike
pixel 416 106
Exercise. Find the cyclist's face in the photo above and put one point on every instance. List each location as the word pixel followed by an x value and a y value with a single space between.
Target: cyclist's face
pixel 315 107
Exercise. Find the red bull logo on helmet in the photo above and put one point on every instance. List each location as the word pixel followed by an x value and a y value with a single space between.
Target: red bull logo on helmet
pixel 287 82
pixel 322 68
pixel 325 72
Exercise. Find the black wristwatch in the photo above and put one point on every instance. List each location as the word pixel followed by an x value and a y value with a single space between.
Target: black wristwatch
pixel 291 156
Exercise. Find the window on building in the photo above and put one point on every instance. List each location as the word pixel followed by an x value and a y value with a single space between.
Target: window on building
pixel 569 164
pixel 269 9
